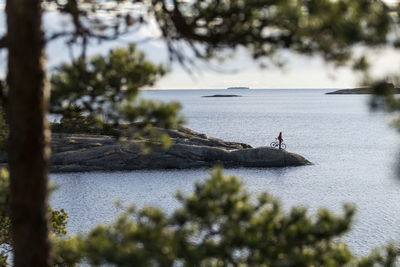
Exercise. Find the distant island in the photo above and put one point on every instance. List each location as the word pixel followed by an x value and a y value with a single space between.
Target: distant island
pixel 358 91
pixel 239 87
pixel 222 96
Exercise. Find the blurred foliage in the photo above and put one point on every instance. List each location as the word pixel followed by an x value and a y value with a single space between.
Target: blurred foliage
pixel 219 224
pixel 312 27
pixel 5 238
pixel 58 219
pixel 3 130
pixel 74 121
pixel 207 29
pixel 323 27
pixel 385 97
pixel 100 84
pixel 148 114
pixel 98 95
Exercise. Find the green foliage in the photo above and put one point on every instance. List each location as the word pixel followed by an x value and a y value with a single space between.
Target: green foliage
pixel 73 121
pixel 384 97
pixel 5 244
pixel 147 114
pixel 68 251
pixel 3 130
pixel 98 95
pixel 99 85
pixel 4 189
pixel 219 224
pixel 58 219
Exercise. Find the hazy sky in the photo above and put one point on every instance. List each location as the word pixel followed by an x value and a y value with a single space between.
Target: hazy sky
pixel 299 72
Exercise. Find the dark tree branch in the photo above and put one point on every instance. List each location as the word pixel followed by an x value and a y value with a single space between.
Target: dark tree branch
pixel 85 33
pixel 57 35
pixel 3 42
pixel 3 96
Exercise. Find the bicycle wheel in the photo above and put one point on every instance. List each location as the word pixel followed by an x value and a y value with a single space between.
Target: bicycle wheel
pixel 274 144
pixel 283 146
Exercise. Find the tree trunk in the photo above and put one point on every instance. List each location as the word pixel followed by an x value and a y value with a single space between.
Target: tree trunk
pixel 29 148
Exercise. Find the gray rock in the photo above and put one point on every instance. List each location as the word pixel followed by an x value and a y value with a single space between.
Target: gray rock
pixel 77 153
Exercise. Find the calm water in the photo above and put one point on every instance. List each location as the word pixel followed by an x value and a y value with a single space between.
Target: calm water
pixel 354 154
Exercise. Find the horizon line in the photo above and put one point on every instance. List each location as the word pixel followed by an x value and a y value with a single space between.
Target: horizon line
pixel 282 88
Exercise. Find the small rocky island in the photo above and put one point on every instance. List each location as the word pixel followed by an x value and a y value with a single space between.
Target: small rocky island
pixel 222 96
pixel 354 91
pixel 83 152
pixel 359 91
pixel 238 88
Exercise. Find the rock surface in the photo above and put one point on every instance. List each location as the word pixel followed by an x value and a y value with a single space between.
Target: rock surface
pixel 79 153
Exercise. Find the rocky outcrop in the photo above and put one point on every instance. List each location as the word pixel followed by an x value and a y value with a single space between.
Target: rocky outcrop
pixel 75 153
pixel 358 91
pixel 79 153
pixel 355 91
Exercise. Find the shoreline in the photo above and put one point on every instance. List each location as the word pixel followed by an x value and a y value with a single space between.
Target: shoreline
pixel 73 152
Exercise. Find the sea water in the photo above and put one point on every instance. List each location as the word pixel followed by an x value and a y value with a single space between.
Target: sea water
pixel 354 153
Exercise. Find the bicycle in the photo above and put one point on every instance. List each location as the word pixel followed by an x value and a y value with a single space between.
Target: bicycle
pixel 275 144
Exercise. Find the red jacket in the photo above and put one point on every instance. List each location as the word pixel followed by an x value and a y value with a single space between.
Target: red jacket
pixel 280 137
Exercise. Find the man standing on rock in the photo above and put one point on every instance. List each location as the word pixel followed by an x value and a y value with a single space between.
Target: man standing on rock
pixel 280 139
